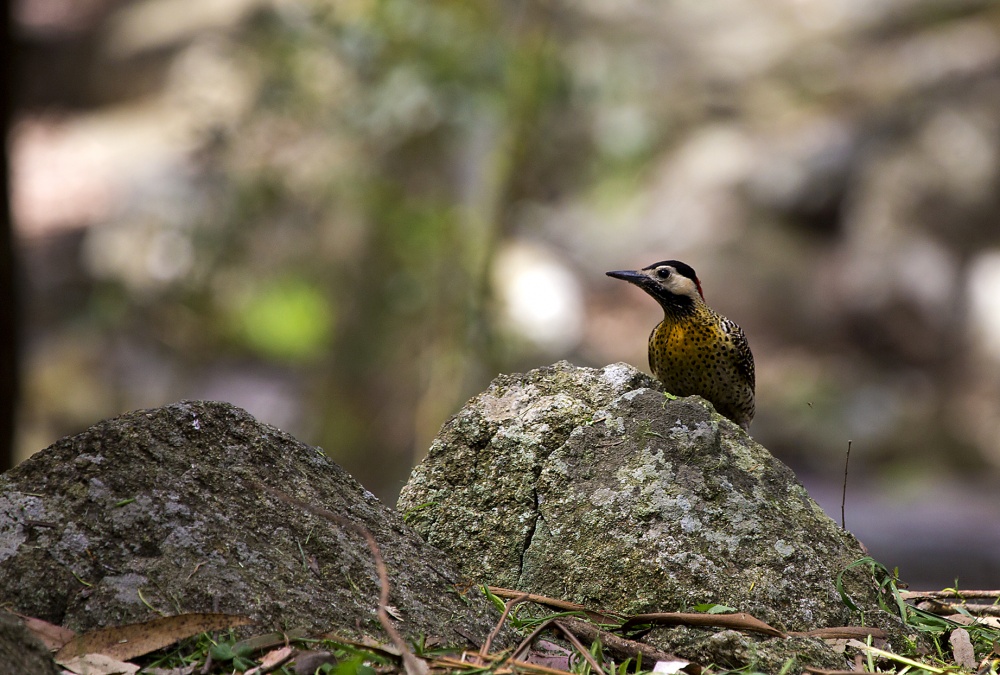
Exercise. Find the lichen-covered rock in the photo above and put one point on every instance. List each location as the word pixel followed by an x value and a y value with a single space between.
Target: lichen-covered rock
pixel 593 486
pixel 162 511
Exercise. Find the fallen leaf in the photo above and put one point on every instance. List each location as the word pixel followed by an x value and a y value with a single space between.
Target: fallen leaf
pixel 555 662
pixel 98 664
pixel 373 644
pixel 550 655
pixel 51 635
pixel 129 641
pixel 415 666
pixel 961 648
pixel 838 645
pixel 306 663
pixel 271 661
pixel 183 670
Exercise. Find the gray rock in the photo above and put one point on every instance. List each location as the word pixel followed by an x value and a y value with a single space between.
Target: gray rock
pixel 161 511
pixel 593 486
pixel 20 651
pixel 732 650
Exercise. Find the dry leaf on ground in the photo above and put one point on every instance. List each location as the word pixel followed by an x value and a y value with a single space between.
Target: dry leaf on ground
pixel 51 635
pixel 129 641
pixel 98 664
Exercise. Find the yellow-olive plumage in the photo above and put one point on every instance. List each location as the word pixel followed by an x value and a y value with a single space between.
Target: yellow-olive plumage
pixel 696 350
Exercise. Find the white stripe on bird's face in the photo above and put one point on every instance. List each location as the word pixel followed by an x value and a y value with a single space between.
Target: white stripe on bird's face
pixel 672 281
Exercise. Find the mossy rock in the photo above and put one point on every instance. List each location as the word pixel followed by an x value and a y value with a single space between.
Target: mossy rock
pixel 593 486
pixel 163 511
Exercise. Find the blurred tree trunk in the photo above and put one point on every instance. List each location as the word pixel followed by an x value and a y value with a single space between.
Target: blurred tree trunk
pixel 8 294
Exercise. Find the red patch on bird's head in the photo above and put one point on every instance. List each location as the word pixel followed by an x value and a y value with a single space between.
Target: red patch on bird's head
pixel 697 282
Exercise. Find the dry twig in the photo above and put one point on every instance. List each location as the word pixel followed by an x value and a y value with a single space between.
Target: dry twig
pixel 505 666
pixel 949 608
pixel 933 601
pixel 526 642
pixel 949 594
pixel 513 602
pixel 739 621
pixel 584 652
pixel 616 644
pixel 554 603
pixel 630 648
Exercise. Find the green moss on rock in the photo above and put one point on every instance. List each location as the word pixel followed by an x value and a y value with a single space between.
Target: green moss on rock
pixel 593 486
pixel 162 511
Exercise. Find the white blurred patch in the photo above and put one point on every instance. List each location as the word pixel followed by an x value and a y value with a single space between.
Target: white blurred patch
pixel 147 25
pixel 693 203
pixel 883 267
pixel 962 148
pixel 143 254
pixel 984 302
pixel 670 667
pixel 541 299
pixel 927 272
pixel 623 130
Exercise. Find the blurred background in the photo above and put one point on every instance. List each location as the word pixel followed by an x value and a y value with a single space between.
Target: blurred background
pixel 348 217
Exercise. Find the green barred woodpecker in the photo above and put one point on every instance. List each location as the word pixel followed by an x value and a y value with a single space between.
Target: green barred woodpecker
pixel 696 350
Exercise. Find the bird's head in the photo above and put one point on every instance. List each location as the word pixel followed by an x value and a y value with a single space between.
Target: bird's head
pixel 672 283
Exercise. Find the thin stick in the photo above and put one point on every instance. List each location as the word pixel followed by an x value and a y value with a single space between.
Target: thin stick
pixel 520 665
pixel 738 621
pixel 951 593
pixel 946 608
pixel 584 652
pixel 411 663
pixel 526 642
pixel 616 644
pixel 485 649
pixel 843 496
pixel 555 603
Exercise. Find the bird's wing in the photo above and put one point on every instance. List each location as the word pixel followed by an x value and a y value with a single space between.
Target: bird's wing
pixel 744 358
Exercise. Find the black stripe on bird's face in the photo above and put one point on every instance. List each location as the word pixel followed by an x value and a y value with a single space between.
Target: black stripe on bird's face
pixel 672 283
pixel 680 268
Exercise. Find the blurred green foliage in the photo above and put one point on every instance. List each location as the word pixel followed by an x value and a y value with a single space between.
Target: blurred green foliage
pixel 326 247
pixel 388 146
pixel 288 319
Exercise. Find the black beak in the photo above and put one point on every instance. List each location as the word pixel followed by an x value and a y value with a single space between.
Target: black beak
pixel 646 283
pixel 636 278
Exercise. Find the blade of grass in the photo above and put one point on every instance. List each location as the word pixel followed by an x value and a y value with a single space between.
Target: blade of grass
pixel 875 651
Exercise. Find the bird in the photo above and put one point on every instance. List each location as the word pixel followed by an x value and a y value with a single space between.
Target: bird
pixel 695 350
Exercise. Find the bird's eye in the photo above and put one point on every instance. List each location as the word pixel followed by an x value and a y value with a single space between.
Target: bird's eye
pixel 662 272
